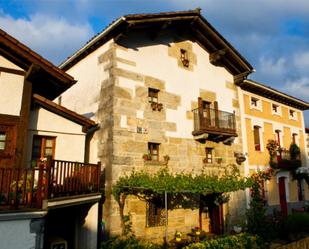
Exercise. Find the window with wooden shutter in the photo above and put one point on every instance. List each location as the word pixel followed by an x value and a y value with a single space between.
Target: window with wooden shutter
pixel 153 151
pixel 155 215
pixel 43 147
pixel 257 142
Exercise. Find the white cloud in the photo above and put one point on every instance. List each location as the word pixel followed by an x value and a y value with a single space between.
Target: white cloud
pixel 298 87
pixel 301 60
pixel 53 38
pixel 272 67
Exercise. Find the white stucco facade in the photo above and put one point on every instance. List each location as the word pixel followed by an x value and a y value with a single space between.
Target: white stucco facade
pixel 70 140
pixel 11 89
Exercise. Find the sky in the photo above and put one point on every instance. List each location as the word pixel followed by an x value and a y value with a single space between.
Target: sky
pixel 273 35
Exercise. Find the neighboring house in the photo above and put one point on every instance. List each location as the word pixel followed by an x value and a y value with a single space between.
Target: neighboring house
pixel 161 84
pixel 46 195
pixel 307 141
pixel 268 114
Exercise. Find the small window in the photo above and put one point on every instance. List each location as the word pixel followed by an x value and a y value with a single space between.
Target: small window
pixel 153 151
pixel 292 114
pixel 255 102
pixel 43 147
pixel 153 95
pixel 257 141
pixel 275 109
pixel 155 215
pixel 2 140
pixel 209 158
pixel 184 57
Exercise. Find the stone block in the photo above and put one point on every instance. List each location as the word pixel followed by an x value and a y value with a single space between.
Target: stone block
pixel 155 83
pixel 121 92
pixel 208 95
pixel 141 92
pixel 125 61
pixel 230 85
pixel 127 74
pixel 189 115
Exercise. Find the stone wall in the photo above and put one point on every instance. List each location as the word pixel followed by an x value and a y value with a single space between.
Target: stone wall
pixel 127 129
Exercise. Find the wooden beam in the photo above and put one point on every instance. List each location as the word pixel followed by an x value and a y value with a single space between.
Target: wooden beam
pixel 22 129
pixel 12 71
pixel 159 31
pixel 205 40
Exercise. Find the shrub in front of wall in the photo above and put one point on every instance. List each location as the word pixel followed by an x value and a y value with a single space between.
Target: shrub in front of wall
pixel 297 224
pixel 240 241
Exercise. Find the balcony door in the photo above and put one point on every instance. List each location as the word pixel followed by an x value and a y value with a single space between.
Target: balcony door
pixel 43 148
pixel 205 114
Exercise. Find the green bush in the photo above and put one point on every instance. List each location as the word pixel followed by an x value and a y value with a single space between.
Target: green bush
pixel 121 242
pixel 297 223
pixel 240 241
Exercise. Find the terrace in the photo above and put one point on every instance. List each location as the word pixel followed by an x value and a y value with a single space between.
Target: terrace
pixel 55 180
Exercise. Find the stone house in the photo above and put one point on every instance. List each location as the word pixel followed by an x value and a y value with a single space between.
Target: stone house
pixel 48 196
pixel 267 114
pixel 161 85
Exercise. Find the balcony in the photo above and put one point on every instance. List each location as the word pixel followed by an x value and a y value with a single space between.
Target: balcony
pixel 284 160
pixel 214 125
pixel 33 188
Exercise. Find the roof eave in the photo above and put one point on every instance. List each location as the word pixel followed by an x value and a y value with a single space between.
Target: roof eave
pixel 268 92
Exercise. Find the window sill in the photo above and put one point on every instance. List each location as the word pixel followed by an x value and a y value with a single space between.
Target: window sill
pixel 252 107
pixel 277 114
pixel 155 163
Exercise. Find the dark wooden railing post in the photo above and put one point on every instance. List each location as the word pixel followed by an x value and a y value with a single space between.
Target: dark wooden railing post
pixel 40 184
pixel 98 175
pixel 216 107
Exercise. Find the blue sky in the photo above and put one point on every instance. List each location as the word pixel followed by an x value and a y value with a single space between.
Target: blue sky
pixel 272 35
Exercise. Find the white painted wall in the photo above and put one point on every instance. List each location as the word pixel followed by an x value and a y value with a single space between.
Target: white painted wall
pixel 15 234
pixel 153 60
pixel 70 140
pixel 11 89
pixel 83 97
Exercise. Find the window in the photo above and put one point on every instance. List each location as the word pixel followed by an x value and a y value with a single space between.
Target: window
pixel 255 102
pixel 43 147
pixel 300 188
pixel 153 151
pixel 155 215
pixel 153 95
pixel 276 109
pixel 2 140
pixel 209 155
pixel 292 114
pixel 257 142
pixel 294 138
pixel 184 57
pixel 279 152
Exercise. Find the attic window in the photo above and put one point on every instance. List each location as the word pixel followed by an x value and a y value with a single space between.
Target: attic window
pixel 184 57
pixel 292 114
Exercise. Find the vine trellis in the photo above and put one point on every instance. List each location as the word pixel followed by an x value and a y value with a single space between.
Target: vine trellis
pixel 183 188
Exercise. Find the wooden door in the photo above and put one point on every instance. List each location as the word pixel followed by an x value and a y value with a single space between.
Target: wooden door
pixel 216 219
pixel 282 196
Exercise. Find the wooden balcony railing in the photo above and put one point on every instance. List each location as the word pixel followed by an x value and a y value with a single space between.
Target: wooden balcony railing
pixel 284 160
pixel 213 121
pixel 27 188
